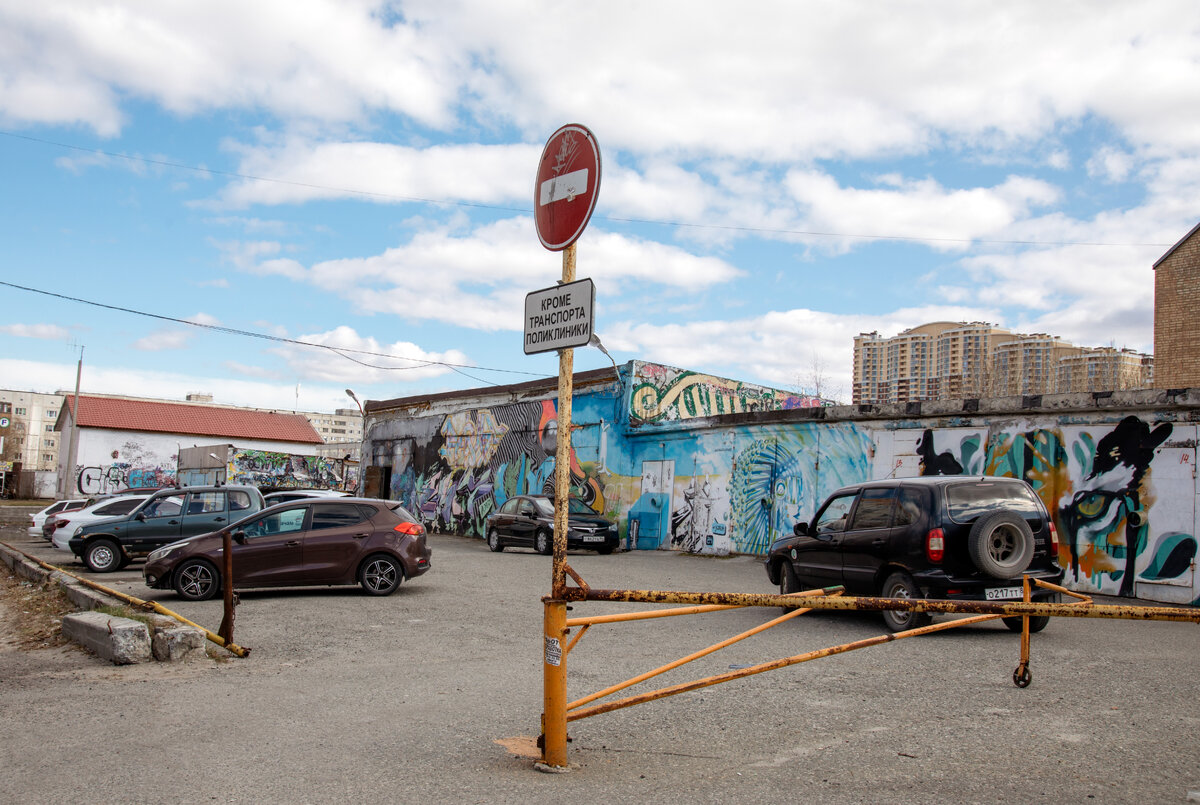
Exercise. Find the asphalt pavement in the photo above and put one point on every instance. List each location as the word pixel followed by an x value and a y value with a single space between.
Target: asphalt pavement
pixel 346 698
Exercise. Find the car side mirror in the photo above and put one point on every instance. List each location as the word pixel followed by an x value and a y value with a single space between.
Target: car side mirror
pixel 239 537
pixel 140 516
pixel 800 530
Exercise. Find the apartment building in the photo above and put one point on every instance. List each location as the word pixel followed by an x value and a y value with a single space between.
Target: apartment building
pixel 956 360
pixel 29 435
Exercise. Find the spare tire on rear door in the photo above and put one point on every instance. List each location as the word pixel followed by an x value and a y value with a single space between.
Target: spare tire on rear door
pixel 1001 544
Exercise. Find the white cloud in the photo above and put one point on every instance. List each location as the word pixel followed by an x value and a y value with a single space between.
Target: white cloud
pixel 47 332
pixel 479 280
pixel 163 340
pixel 1110 164
pixel 342 360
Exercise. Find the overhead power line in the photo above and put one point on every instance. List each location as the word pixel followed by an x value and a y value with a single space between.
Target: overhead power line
pixel 528 211
pixel 344 352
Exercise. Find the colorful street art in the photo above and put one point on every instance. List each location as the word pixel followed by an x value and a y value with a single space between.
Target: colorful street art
pixel 265 468
pixel 1104 486
pixel 119 476
pixel 662 394
pixel 1122 492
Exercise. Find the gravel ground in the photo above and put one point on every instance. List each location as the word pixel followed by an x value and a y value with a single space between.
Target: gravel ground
pixel 349 698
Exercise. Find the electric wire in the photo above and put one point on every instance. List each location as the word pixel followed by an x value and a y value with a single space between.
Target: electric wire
pixel 344 352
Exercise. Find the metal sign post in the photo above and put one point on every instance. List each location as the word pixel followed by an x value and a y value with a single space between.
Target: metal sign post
pixel 564 195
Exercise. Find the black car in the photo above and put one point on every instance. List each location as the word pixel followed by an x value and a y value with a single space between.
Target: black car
pixel 528 521
pixel 942 537
pixel 166 516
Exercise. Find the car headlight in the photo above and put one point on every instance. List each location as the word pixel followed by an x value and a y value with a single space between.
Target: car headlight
pixel 78 531
pixel 161 553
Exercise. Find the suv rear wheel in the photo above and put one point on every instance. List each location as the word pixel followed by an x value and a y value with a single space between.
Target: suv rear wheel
pixel 1001 544
pixel 901 585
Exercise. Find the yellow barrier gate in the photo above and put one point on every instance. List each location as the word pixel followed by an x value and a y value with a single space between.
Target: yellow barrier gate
pixel 558 711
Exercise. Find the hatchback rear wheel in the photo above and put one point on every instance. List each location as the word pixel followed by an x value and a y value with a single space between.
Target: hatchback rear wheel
pixel 380 575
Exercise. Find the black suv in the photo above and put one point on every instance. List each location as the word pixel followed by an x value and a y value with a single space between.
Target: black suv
pixel 166 516
pixel 940 537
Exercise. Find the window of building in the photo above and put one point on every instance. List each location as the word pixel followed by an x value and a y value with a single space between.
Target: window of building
pixel 50 429
pixel 52 413
pixel 5 408
pixel 47 443
pixel 20 412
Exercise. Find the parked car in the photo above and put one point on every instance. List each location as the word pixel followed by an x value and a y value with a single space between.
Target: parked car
pixel 528 521
pixel 164 517
pixel 288 495
pixel 319 541
pixel 37 521
pixel 942 537
pixel 65 523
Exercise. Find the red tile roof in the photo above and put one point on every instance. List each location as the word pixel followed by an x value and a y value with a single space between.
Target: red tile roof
pixel 196 420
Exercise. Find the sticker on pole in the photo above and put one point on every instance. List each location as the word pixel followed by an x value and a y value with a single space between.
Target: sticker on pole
pixel 553 651
pixel 567 183
pixel 559 317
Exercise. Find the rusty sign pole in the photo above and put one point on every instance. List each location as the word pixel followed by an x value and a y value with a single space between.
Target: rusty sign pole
pixel 554 667
pixel 564 195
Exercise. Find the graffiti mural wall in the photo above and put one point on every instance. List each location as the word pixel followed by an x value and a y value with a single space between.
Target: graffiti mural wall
pixel 665 394
pixel 269 469
pixel 454 470
pixel 652 454
pixel 139 463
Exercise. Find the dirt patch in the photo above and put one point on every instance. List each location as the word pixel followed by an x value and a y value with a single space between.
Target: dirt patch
pixel 31 613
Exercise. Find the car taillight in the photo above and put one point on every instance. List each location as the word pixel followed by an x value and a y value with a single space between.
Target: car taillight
pixel 412 529
pixel 1053 538
pixel 935 545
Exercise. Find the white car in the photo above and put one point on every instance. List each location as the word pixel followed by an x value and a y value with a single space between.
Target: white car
pixel 109 507
pixel 38 520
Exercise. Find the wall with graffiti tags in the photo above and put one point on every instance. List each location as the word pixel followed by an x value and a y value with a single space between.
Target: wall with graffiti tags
pixel 664 394
pixel 113 461
pixel 1120 484
pixel 272 469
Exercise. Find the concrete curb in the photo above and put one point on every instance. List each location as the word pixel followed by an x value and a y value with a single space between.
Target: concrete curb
pixel 119 640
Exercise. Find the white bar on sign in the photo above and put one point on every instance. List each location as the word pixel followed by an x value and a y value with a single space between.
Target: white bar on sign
pixel 568 185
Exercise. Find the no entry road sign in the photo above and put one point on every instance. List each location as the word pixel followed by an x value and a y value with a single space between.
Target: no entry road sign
pixel 568 179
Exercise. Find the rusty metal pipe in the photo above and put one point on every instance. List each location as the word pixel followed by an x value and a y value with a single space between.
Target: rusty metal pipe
pixel 667 613
pixel 850 603
pixel 676 663
pixel 153 606
pixel 685 687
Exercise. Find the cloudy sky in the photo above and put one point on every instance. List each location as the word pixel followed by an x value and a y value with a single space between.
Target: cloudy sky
pixel 274 201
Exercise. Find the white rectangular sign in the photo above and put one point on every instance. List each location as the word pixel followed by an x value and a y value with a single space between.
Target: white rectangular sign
pixel 567 186
pixel 559 317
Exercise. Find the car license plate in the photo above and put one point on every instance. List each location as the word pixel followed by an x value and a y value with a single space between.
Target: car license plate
pixel 1003 593
pixel 593 538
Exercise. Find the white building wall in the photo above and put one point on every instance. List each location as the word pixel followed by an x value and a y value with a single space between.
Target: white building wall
pixel 112 460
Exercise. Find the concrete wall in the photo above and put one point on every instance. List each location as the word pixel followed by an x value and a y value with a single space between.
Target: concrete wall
pixel 1117 471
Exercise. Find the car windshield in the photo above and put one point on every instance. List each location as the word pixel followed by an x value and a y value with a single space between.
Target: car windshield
pixel 967 502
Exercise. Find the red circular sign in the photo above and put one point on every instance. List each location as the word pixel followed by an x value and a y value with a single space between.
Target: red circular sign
pixel 564 193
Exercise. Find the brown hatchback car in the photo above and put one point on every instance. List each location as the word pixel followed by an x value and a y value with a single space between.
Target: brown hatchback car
pixel 334 541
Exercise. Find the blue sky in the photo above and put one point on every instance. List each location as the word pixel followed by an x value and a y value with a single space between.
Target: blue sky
pixel 777 178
